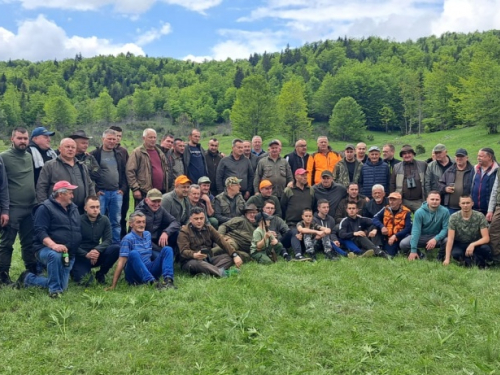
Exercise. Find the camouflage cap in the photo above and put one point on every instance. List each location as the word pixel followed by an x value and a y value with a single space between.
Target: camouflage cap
pixel 233 181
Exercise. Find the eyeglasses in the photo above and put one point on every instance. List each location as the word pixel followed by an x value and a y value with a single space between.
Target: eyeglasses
pixel 301 145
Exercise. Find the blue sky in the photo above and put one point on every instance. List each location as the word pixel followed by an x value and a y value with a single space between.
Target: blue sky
pixel 218 29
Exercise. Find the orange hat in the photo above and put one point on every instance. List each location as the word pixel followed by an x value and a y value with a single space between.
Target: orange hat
pixel 182 179
pixel 264 184
pixel 395 195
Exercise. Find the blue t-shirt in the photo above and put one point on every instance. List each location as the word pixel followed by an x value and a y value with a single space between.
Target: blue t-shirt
pixel 141 244
pixel 196 168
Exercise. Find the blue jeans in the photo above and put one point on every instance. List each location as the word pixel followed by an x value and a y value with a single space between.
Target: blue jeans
pixel 351 246
pixel 139 272
pixel 57 275
pixel 111 206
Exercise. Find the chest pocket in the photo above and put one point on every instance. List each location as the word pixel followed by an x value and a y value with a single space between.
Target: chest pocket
pixel 283 170
pixel 268 171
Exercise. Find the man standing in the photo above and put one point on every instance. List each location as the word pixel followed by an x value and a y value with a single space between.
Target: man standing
pixel 176 202
pixel 195 245
pixel 230 202
pixel 298 158
pixel 429 230
pixel 348 169
pixel 361 153
pixel 257 146
pixel 296 198
pixel 57 236
pixel 329 190
pixel 265 190
pixel 39 148
pixel 65 168
pixel 485 173
pixel 375 171
pixel 247 152
pixel 175 161
pixel 468 236
pixel 96 248
pixel 147 167
pixel 136 258
pixel 388 155
pixel 408 178
pixel 162 226
pixel 275 169
pixel 456 181
pixel 213 158
pixel 436 168
pixel 394 223
pixel 167 143
pixel 17 199
pixel 324 159
pixel 236 165
pixel 112 180
pixel 82 144
pixel 195 163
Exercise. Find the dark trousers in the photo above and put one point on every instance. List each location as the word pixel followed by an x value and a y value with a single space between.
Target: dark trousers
pixel 20 221
pixel 106 260
pixel 481 253
pixel 125 207
pixel 214 267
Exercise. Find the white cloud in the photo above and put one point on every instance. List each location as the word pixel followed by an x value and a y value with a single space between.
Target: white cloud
pixel 42 39
pixel 153 34
pixel 198 59
pixel 120 6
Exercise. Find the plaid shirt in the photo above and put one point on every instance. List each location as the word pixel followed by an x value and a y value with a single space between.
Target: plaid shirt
pixel 141 244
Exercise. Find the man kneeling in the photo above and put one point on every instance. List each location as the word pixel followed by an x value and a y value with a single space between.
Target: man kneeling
pixel 195 245
pixel 136 251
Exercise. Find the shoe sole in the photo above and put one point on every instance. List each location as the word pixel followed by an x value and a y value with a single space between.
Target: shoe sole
pixel 367 254
pixel 302 260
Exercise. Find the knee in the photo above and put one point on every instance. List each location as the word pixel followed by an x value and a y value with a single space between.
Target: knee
pixel 167 251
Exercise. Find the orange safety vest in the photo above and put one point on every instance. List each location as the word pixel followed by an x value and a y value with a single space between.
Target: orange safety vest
pixel 395 223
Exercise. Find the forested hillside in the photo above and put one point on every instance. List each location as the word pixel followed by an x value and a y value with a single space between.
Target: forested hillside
pixel 431 84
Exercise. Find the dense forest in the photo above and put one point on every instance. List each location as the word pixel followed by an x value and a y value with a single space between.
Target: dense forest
pixel 430 84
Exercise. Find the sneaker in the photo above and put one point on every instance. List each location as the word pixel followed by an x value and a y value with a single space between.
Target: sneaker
pixel 100 278
pixel 300 258
pixel 231 272
pixel 382 254
pixel 166 284
pixel 287 257
pixel 312 255
pixel 368 254
pixel 20 280
pixel 5 279
pixel 330 256
pixel 55 295
pixel 86 280
pixel 351 255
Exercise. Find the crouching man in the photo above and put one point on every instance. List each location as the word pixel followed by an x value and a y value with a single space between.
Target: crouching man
pixel 136 251
pixel 195 245
pixel 96 249
pixel 57 237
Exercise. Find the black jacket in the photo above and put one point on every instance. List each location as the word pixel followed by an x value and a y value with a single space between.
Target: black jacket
pixel 158 222
pixel 348 226
pixel 95 235
pixel 297 161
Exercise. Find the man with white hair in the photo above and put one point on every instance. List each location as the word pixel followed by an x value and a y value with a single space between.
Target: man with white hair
pixel 378 201
pixel 147 167
pixel 57 236
pixel 257 146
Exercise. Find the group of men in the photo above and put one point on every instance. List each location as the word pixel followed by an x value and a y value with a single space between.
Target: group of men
pixel 211 212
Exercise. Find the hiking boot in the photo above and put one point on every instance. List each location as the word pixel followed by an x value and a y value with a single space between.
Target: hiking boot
pixel 300 258
pixel 165 284
pixel 5 278
pixel 20 280
pixel 55 295
pixel 381 254
pixel 368 254
pixel 287 257
pixel 312 255
pixel 331 256
pixel 351 255
pixel 100 278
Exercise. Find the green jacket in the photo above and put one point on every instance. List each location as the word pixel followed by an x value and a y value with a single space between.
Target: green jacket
pixel 341 173
pixel 240 229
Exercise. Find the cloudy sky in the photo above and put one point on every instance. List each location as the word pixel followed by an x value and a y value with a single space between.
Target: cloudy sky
pixel 217 29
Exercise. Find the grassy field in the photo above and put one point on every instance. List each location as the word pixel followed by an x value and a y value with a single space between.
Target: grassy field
pixel 361 316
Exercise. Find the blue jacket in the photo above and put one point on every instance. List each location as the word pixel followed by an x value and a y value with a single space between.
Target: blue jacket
pixel 427 222
pixel 482 185
pixel 62 226
pixel 373 174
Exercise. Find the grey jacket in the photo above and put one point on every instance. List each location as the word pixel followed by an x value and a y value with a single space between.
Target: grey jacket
pixel 433 174
pixel 175 206
pixel 226 208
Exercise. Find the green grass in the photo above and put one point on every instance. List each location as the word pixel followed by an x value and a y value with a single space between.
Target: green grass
pixel 353 316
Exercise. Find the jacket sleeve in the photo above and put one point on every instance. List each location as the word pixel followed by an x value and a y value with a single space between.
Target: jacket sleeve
pixel 219 176
pixel 310 170
pixel 407 229
pixel 284 202
pixel 4 189
pixel 107 235
pixel 443 183
pixel 43 184
pixel 41 222
pixel 443 233
pixel 289 174
pixel 219 240
pixel 392 185
pixel 493 196
pixel 218 213
pixel 170 224
pixel 184 244
pixel 250 173
pixel 257 177
pixel 416 230
pixel 378 219
pixel 345 232
pixel 427 182
pixel 131 171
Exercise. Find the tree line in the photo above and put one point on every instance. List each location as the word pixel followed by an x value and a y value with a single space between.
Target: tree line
pixel 431 84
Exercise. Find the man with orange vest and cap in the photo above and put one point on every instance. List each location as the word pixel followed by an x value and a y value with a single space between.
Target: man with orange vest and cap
pixel 394 223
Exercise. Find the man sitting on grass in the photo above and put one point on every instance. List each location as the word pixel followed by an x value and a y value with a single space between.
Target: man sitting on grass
pixel 354 228
pixel 468 236
pixel 308 235
pixel 136 251
pixel 265 245
pixel 195 245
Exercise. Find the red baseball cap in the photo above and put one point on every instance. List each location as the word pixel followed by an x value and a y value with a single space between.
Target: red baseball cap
pixel 64 185
pixel 300 171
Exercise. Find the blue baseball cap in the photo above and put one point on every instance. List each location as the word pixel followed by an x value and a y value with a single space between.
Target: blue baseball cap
pixel 41 131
